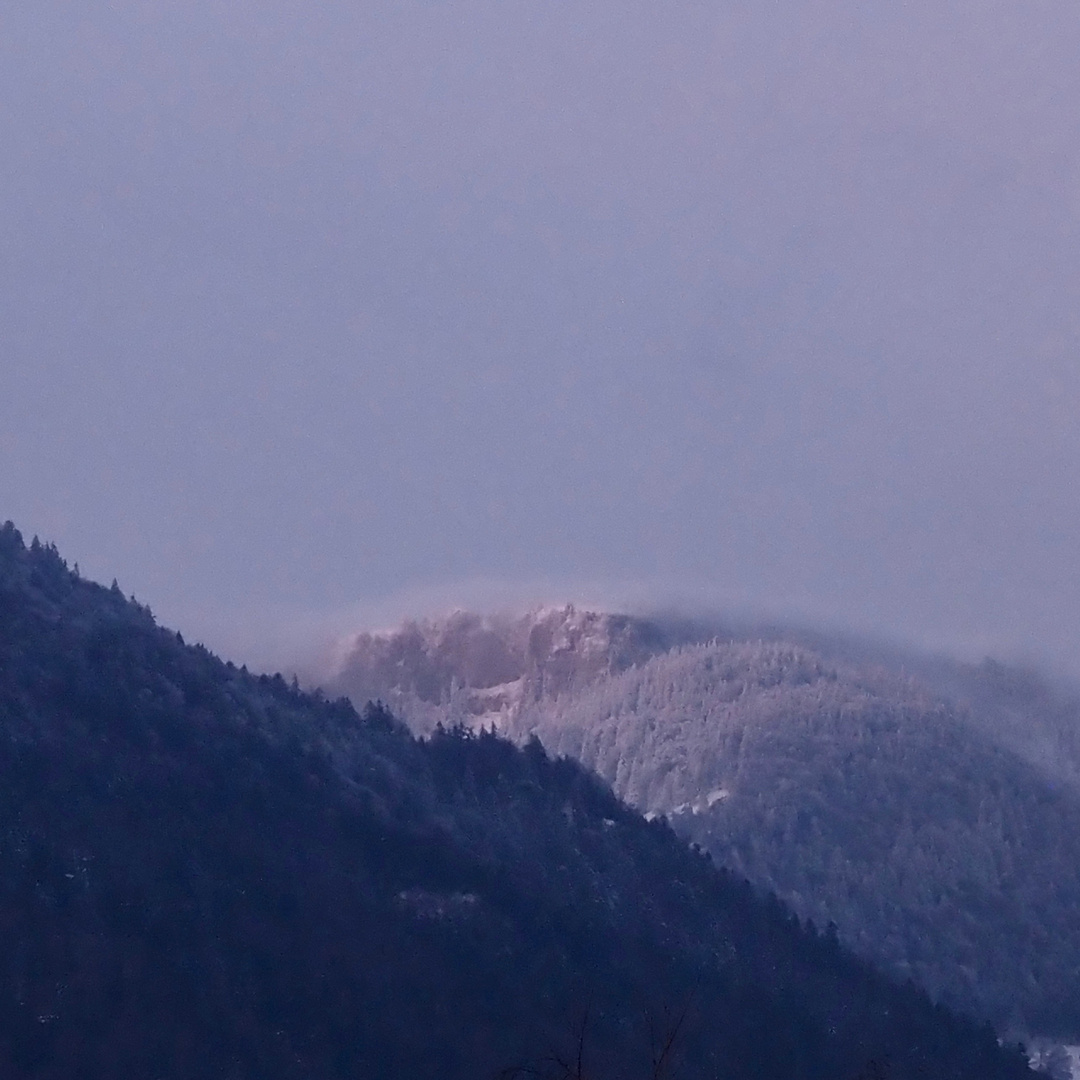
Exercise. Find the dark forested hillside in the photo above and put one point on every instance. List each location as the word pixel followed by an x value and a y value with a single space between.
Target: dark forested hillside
pixel 204 873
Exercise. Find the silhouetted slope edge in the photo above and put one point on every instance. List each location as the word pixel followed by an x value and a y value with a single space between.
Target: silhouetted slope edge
pixel 204 873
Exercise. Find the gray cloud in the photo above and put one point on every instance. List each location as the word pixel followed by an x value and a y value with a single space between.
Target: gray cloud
pixel 305 307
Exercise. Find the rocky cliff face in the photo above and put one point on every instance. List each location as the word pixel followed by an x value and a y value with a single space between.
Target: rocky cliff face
pixel 478 670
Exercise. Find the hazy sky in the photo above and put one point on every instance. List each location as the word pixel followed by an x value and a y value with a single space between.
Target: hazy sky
pixel 313 306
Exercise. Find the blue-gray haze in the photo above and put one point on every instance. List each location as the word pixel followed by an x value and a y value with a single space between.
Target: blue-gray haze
pixel 307 306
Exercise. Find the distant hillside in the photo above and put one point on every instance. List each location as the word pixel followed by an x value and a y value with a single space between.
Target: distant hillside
pixel 934 818
pixel 1036 717
pixel 860 799
pixel 1028 711
pixel 209 874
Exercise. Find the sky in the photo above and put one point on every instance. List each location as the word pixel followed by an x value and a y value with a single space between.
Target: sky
pixel 318 313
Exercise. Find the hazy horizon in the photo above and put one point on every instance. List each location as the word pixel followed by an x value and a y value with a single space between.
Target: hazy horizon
pixel 313 312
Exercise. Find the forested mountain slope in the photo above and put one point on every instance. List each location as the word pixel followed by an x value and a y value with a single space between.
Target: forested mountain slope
pixel 860 798
pixel 1034 713
pixel 481 669
pixel 208 874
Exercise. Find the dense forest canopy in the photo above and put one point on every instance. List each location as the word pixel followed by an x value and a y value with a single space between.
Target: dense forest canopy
pixel 208 873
